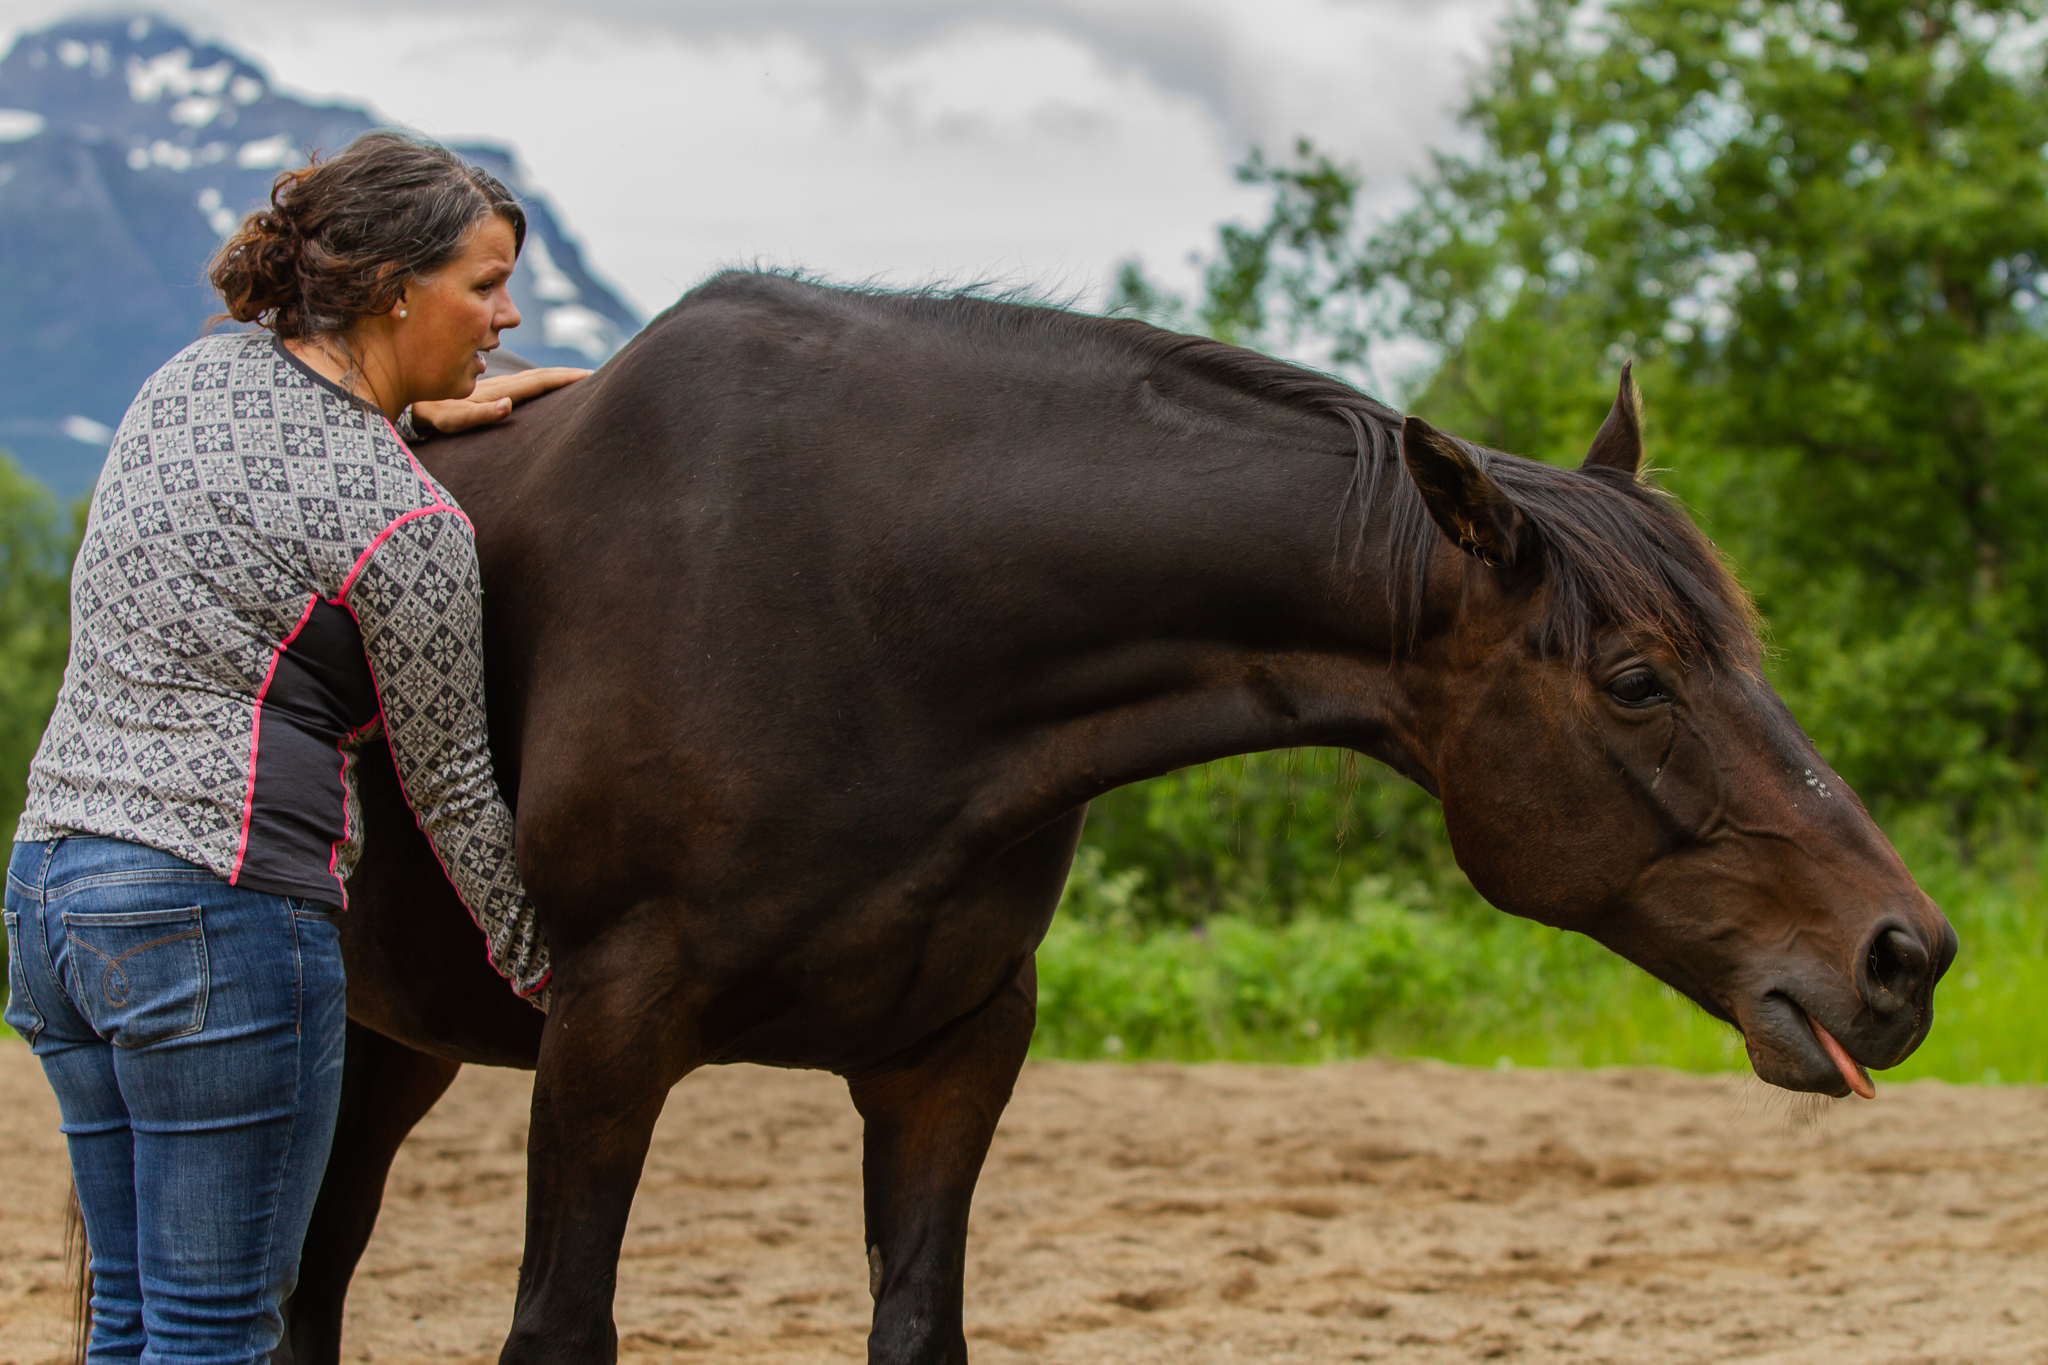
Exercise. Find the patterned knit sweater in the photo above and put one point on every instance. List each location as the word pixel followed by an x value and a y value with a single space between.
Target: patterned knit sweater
pixel 268 579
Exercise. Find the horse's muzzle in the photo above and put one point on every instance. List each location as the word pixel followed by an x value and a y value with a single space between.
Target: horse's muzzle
pixel 1898 968
pixel 1813 1036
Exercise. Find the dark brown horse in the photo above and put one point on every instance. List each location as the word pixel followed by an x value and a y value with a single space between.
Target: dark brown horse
pixel 815 619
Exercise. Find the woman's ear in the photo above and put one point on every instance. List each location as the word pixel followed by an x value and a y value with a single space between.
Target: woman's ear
pixel 400 302
pixel 1470 508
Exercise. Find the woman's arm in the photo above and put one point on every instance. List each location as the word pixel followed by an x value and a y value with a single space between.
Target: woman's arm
pixel 492 401
pixel 416 596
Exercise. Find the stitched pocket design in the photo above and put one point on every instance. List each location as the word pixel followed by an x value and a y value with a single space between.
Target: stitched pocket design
pixel 139 977
pixel 22 1015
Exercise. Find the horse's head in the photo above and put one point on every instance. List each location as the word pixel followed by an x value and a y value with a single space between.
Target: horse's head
pixel 1611 760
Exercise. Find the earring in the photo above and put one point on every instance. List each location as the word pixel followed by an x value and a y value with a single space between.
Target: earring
pixel 401 312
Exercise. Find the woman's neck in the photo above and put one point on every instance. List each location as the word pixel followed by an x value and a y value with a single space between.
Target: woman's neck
pixel 353 367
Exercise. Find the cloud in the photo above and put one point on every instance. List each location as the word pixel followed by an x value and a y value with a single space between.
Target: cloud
pixel 1372 76
pixel 1035 141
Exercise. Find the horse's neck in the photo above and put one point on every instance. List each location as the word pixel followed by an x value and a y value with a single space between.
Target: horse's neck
pixel 1217 604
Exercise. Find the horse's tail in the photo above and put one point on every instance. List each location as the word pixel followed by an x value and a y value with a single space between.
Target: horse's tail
pixel 76 1251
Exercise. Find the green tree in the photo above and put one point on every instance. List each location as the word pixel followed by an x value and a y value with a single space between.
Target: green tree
pixel 1270 838
pixel 1822 227
pixel 37 542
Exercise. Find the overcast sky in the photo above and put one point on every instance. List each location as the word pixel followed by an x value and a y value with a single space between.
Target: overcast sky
pixel 1038 142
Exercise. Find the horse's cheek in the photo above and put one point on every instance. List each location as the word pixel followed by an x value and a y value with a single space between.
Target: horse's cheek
pixel 1513 849
pixel 1558 827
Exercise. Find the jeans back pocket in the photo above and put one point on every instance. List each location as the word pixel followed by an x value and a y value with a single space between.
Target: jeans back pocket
pixel 21 1014
pixel 139 977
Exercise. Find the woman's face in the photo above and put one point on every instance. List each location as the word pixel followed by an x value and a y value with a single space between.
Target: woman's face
pixel 454 315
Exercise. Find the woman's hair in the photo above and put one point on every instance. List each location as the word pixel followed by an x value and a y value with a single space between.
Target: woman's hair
pixel 344 236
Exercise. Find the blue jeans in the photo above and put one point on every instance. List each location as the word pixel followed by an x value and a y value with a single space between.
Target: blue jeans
pixel 193 1033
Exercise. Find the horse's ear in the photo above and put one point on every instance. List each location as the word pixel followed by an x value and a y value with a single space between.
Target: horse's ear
pixel 1470 508
pixel 1619 444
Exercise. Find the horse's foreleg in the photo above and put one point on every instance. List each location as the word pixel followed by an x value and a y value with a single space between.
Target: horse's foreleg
pixel 608 1057
pixel 930 1115
pixel 386 1088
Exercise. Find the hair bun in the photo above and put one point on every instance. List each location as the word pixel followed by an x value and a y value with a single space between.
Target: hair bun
pixel 343 236
pixel 257 270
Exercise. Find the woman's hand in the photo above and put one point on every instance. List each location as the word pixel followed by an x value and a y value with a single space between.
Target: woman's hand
pixel 492 400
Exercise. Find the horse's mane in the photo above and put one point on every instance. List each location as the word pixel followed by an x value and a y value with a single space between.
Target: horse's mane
pixel 1618 552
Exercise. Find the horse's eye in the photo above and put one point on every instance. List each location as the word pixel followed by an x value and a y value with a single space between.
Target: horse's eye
pixel 1636 688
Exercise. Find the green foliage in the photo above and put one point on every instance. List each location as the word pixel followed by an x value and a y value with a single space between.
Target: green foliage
pixel 1270 837
pixel 1429 974
pixel 37 542
pixel 1823 229
pixel 1303 905
pixel 1228 987
pixel 1312 204
pixel 1133 295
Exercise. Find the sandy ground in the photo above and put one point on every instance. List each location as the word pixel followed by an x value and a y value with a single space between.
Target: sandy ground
pixel 1370 1211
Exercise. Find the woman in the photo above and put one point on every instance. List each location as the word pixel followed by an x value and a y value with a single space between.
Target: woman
pixel 268 581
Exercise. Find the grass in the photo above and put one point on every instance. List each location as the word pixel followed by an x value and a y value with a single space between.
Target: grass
pixel 1381 970
pixel 1410 975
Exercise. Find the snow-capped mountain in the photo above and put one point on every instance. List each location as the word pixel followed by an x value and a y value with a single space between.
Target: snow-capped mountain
pixel 127 152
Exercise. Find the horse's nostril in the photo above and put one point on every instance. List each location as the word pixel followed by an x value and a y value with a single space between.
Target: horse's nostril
pixel 1898 964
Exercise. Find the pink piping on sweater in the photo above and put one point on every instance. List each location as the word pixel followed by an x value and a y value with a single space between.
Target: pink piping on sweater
pixel 439 502
pixel 341 747
pixel 340 599
pixel 256 734
pixel 383 535
pixel 376 687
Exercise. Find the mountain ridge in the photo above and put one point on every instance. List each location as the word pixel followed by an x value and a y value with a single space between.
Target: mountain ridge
pixel 128 150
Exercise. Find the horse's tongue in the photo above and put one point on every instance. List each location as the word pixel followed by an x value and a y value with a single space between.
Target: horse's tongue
pixel 1858 1079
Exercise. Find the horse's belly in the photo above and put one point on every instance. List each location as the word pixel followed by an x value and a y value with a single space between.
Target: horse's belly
pixel 415 961
pixel 879 975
